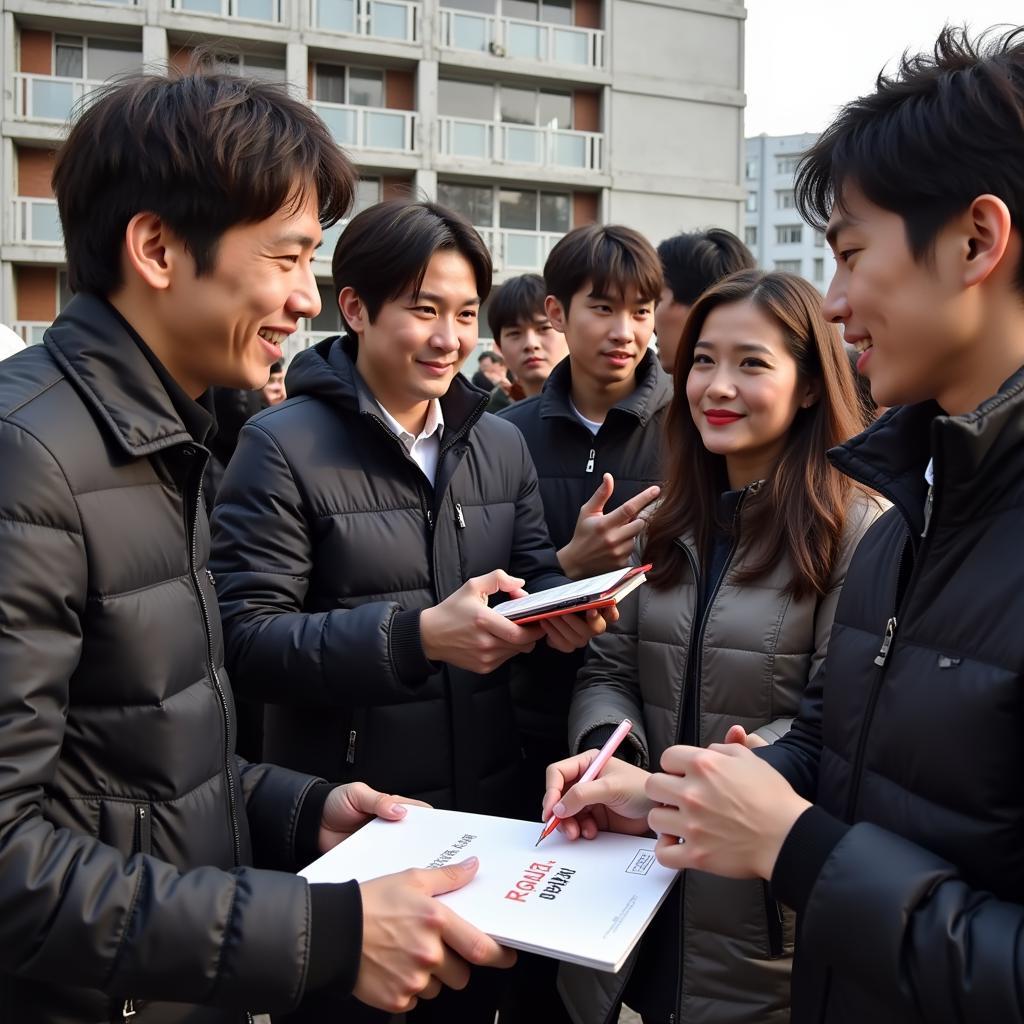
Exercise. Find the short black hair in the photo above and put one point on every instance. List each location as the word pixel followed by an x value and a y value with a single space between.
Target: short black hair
pixel 202 150
pixel 386 249
pixel 520 300
pixel 491 356
pixel 277 367
pixel 610 257
pixel 941 131
pixel 695 260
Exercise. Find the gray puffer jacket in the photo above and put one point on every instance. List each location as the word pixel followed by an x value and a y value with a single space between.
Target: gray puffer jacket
pixel 757 648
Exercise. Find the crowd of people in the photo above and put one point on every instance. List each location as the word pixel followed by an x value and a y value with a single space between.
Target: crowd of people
pixel 823 668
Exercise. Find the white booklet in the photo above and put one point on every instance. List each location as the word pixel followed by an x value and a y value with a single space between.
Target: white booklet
pixel 587 901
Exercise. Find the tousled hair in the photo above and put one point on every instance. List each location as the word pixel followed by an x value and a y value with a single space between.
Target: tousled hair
pixel 799 511
pixel 945 128
pixel 519 300
pixel 202 150
pixel 695 260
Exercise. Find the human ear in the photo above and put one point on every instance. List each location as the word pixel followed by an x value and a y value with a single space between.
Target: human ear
pixel 152 250
pixel 353 310
pixel 810 392
pixel 554 312
pixel 987 227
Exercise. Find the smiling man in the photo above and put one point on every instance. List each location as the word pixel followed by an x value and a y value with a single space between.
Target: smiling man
pixel 364 523
pixel 890 817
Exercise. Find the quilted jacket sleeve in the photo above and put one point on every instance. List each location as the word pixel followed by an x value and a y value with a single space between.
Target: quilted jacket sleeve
pixel 263 557
pixel 72 907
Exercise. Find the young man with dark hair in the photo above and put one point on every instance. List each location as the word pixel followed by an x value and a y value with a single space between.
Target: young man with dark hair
pixel 692 262
pixel 522 332
pixel 191 207
pixel 364 524
pixel 890 816
pixel 490 371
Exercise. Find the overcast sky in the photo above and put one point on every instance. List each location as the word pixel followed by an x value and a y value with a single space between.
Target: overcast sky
pixel 805 58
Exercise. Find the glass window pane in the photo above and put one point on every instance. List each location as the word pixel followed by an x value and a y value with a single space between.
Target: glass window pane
pixel 555 211
pixel 201 6
pixel 44 222
pixel 556 12
pixel 389 21
pixel 470 32
pixel 524 41
pixel 258 10
pixel 480 6
pixel 569 150
pixel 474 202
pixel 518 106
pixel 385 131
pixel 329 83
pixel 341 122
pixel 525 9
pixel 524 145
pixel 555 110
pixel 365 88
pixel 108 57
pixel 270 69
pixel 69 61
pixel 465 99
pixel 326 251
pixel 472 140
pixel 518 209
pixel 367 195
pixel 336 15
pixel 52 100
pixel 571 47
pixel 522 252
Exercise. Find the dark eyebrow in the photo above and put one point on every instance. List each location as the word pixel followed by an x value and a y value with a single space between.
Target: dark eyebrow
pixel 835 227
pixel 304 241
pixel 439 299
pixel 743 346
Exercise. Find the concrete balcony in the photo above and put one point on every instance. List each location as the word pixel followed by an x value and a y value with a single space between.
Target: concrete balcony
pixel 49 99
pixel 517 251
pixel 397 20
pixel 35 222
pixel 268 11
pixel 369 128
pixel 522 40
pixel 30 331
pixel 521 144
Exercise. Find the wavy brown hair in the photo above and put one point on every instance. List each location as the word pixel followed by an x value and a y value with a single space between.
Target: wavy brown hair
pixel 800 510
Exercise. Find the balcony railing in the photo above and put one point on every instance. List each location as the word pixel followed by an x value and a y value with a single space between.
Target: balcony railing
pixel 247 10
pixel 524 40
pixel 379 19
pixel 521 144
pixel 369 127
pixel 35 222
pixel 519 250
pixel 30 331
pixel 48 97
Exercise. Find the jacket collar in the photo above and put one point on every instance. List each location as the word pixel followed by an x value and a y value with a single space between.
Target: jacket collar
pixel 653 391
pixel 328 371
pixel 978 457
pixel 93 347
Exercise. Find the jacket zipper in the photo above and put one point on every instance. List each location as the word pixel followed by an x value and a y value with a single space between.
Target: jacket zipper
pixel 460 519
pixel 773 917
pixel 590 460
pixel 350 754
pixel 128 1010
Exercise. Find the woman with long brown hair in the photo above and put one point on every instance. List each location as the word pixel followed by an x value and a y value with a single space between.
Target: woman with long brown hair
pixel 750 545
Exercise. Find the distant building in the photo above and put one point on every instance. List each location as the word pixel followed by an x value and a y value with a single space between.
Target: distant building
pixel 773 230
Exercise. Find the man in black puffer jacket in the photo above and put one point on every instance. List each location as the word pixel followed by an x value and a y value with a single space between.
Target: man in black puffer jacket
pixel 145 870
pixel 907 871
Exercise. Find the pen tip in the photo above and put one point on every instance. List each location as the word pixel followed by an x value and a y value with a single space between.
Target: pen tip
pixel 536 844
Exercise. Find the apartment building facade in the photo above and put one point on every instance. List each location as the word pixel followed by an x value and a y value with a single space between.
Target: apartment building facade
pixel 529 116
pixel 773 230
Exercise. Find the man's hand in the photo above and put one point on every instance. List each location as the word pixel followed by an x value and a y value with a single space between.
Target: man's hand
pixel 613 802
pixel 726 810
pixel 350 807
pixel 463 631
pixel 602 542
pixel 412 944
pixel 737 734
pixel 568 633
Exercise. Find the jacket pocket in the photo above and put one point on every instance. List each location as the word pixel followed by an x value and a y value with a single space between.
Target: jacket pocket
pixel 773 920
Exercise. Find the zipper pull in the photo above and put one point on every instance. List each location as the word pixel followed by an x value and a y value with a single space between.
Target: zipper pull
pixel 350 755
pixel 128 1010
pixel 209 576
pixel 590 460
pixel 430 519
pixel 459 517
pixel 928 510
pixel 883 653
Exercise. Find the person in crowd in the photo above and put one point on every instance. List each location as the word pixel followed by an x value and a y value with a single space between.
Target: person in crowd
pixel 523 335
pixel 363 525
pixel 692 261
pixel 144 869
pixel 491 371
pixel 274 391
pixel 889 816
pixel 595 437
pixel 750 545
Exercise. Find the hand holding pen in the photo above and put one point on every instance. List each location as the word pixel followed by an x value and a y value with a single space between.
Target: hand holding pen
pixel 594 792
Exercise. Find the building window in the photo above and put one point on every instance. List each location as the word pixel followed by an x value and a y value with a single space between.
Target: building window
pixel 254 65
pixel 751 202
pixel 357 87
pixel 545 108
pixel 784 199
pixel 94 59
pixel 751 168
pixel 819 239
pixel 819 269
pixel 474 202
pixel 789 234
pixel 787 164
pixel 750 235
pixel 788 266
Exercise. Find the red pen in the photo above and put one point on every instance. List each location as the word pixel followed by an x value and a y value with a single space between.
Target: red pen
pixel 594 770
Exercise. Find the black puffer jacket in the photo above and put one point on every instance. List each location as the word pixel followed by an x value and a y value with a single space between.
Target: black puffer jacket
pixel 126 821
pixel 570 463
pixel 329 541
pixel 909 875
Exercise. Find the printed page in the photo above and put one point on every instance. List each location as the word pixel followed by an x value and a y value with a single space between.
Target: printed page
pixel 587 901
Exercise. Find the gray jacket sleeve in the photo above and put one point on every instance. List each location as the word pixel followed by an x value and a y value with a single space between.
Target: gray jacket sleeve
pixel 262 558
pixel 72 907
